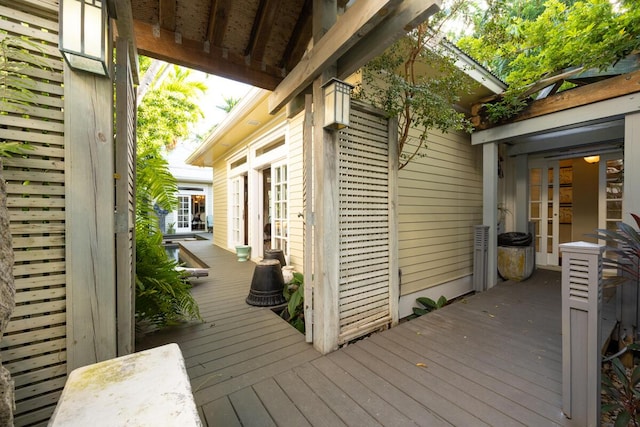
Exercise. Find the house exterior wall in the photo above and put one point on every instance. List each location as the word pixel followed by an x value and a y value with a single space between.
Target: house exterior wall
pixel 440 200
pixel 296 192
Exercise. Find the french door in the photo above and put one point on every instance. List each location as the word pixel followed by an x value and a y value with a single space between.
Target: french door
pixel 544 209
pixel 237 206
pixel 183 223
pixel 280 208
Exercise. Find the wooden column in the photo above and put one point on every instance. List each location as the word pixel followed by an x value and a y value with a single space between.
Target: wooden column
pixel 522 194
pixel 631 202
pixel 325 162
pixel 490 208
pixel 89 153
pixel 581 330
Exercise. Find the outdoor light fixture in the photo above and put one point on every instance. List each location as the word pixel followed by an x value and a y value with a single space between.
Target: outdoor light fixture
pixel 337 101
pixel 84 33
pixel 592 159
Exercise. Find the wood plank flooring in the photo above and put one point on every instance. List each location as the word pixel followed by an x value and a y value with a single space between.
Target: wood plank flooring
pixel 492 359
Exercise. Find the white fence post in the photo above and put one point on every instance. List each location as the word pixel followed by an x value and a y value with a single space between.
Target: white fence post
pixel 581 326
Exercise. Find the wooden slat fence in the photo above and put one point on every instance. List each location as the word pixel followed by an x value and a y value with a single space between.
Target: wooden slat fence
pixel 125 199
pixel 366 221
pixel 34 347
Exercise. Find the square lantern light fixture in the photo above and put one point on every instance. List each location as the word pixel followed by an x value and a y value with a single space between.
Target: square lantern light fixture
pixel 84 35
pixel 337 102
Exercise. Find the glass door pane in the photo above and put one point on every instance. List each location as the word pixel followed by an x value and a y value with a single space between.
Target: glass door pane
pixel 611 192
pixel 237 211
pixel 280 210
pixel 184 214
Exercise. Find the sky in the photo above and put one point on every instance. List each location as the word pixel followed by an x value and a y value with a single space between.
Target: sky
pixel 218 89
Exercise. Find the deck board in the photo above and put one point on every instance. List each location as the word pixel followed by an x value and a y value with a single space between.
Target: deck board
pixel 491 359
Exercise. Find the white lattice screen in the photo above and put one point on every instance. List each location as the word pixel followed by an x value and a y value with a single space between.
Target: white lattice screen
pixel 365 220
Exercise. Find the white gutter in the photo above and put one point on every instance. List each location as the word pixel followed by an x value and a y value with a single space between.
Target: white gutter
pixel 244 107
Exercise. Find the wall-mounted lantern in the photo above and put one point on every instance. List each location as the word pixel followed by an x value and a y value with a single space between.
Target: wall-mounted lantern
pixel 337 102
pixel 84 32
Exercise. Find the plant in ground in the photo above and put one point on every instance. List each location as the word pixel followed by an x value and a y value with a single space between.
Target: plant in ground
pixel 427 305
pixel 163 295
pixel 294 294
pixel 624 397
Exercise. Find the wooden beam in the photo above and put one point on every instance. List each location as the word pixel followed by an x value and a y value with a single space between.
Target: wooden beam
pixel 168 14
pixel 356 22
pixel 193 55
pixel 584 95
pixel 218 21
pixel 261 29
pixel 124 25
pixel 401 20
pixel 298 42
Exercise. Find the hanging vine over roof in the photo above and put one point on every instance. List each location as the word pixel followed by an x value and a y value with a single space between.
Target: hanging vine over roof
pixel 550 47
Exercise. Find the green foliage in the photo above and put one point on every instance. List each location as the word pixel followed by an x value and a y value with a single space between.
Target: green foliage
pixel 294 294
pixel 229 103
pixel 165 115
pixel 524 42
pixel 16 56
pixel 427 305
pixel 625 400
pixel 623 250
pixel 417 82
pixel 168 110
pixel 163 294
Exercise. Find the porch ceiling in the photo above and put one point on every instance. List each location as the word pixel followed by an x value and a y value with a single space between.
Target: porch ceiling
pixel 253 41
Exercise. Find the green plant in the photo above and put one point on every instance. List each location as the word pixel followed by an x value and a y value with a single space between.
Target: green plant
pixel 427 305
pixel 625 398
pixel 16 86
pixel 294 294
pixel 396 82
pixel 163 295
pixel 622 250
pixel 172 228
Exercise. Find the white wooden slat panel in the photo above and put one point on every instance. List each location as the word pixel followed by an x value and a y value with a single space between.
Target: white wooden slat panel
pixel 40 375
pixel 364 226
pixel 34 347
pixel 26 136
pixel 30 411
pixel 38 362
pixel 34 335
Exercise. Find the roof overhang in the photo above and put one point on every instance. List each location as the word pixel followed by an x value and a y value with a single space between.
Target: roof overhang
pixel 243 120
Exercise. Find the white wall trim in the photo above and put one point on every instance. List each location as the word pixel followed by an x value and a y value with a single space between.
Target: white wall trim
pixel 450 290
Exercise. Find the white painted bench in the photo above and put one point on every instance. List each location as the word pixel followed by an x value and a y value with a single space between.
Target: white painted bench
pixel 149 388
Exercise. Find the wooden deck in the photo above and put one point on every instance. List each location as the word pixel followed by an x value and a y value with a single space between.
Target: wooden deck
pixel 491 359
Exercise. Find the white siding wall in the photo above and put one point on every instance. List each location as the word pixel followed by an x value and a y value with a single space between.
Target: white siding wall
pixel 296 206
pixel 220 196
pixel 440 200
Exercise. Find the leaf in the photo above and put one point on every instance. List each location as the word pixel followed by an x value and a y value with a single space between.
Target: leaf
pixel 620 372
pixel 427 302
pixel 421 365
pixel 623 419
pixel 295 299
pixel 442 301
pixel 609 407
pixel 419 311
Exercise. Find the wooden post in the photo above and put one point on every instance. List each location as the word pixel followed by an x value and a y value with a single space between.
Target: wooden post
pixel 631 202
pixel 125 213
pixel 89 194
pixel 326 324
pixel 307 153
pixel 490 209
pixel 581 330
